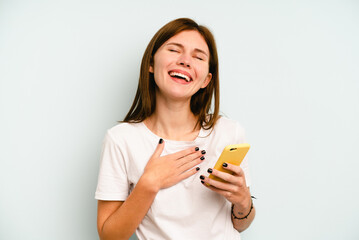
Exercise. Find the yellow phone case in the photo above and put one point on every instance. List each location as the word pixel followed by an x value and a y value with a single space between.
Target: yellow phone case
pixel 233 154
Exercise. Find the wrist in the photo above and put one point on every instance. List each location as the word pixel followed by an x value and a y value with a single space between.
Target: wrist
pixel 149 183
pixel 244 204
pixel 240 213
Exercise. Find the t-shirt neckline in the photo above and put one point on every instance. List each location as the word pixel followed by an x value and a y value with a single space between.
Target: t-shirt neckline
pixel 201 135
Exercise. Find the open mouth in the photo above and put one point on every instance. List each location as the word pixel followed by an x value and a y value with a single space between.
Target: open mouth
pixel 180 76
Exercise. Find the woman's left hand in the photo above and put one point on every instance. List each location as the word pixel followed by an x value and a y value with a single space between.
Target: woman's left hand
pixel 234 189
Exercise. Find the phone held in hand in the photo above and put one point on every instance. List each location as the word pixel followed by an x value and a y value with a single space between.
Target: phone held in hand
pixel 233 154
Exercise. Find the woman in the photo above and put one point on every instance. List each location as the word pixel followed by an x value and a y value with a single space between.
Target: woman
pixel 153 176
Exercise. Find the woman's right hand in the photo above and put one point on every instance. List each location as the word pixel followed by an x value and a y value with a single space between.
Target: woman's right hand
pixel 166 171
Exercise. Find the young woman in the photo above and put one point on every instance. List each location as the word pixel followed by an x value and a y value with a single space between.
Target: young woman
pixel 153 176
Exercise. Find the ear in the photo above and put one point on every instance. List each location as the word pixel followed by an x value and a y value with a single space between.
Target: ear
pixel 207 80
pixel 151 69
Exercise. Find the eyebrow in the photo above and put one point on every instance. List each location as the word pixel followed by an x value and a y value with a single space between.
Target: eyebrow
pixel 181 46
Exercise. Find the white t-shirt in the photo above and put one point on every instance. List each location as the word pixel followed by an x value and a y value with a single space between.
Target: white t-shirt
pixel 187 210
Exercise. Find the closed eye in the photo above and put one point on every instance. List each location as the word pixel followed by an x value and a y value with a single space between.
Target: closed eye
pixel 199 57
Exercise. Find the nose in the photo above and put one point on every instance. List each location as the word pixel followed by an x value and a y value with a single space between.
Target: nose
pixel 184 60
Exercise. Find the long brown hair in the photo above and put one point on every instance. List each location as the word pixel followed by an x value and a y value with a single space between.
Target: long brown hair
pixel 144 103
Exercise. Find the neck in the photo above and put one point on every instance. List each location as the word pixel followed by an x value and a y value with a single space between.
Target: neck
pixel 173 120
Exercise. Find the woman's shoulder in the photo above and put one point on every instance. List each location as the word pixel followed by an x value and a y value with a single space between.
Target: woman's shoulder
pixel 231 127
pixel 124 130
pixel 225 122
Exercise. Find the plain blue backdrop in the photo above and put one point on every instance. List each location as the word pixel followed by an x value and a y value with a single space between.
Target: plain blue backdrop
pixel 289 75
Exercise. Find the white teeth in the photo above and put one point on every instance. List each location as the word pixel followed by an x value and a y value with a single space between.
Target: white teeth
pixel 173 74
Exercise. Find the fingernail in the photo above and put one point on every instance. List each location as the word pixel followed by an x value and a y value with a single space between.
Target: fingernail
pixel 209 170
pixel 201 177
pixel 197 168
pixel 197 148
pixel 225 165
pixel 161 141
pixel 203 151
pixel 202 158
pixel 202 182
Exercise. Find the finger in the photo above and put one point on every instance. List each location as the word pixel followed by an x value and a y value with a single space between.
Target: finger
pixel 223 175
pixel 191 157
pixel 219 185
pixel 188 173
pixel 190 164
pixel 219 191
pixel 159 148
pixel 235 169
pixel 186 152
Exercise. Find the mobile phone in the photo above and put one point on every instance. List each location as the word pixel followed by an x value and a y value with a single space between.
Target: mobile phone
pixel 233 154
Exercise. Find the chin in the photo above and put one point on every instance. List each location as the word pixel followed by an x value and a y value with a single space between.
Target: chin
pixel 180 96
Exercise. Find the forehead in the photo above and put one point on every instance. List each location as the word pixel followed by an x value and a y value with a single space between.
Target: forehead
pixel 189 39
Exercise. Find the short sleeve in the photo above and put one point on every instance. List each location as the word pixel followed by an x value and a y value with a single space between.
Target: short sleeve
pixel 112 179
pixel 241 138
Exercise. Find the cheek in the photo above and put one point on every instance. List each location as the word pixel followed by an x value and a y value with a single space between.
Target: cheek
pixel 159 72
pixel 203 71
pixel 159 64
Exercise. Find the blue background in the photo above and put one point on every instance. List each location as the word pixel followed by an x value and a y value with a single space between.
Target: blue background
pixel 289 74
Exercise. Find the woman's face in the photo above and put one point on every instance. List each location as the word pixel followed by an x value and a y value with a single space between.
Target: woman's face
pixel 181 66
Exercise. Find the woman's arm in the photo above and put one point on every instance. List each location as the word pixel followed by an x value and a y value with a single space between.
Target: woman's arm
pixel 234 190
pixel 118 219
pixel 246 215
